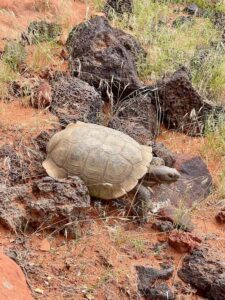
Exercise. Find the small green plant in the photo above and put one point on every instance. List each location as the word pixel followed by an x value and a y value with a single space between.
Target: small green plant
pixel 215 135
pixel 6 75
pixel 139 245
pixel 209 77
pixel 182 216
pixel 14 54
pixel 118 236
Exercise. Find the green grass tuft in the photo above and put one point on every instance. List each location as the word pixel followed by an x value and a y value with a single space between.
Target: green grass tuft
pixel 14 54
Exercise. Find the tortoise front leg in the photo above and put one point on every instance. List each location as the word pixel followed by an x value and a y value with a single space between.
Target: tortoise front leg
pixel 142 203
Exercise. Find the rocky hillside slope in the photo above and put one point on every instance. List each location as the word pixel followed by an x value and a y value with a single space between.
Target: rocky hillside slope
pixel 152 69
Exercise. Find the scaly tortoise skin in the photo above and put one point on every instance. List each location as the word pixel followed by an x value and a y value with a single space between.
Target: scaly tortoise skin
pixel 109 161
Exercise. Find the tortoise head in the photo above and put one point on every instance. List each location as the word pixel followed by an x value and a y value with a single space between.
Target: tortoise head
pixel 162 174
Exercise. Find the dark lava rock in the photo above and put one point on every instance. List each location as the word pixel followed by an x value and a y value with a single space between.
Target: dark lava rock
pixel 133 129
pixel 204 272
pixel 49 203
pixel 194 185
pixel 219 21
pixel 66 191
pixel 150 283
pixel 74 99
pixel 192 9
pixel 42 139
pixel 11 171
pixel 160 150
pixel 58 202
pixel 36 90
pixel 137 117
pixel 104 57
pixel 41 31
pixel 118 6
pixel 182 107
pixel 220 217
pixel 19 163
pixel 41 95
pixel 12 214
pixel 183 20
pixel 163 226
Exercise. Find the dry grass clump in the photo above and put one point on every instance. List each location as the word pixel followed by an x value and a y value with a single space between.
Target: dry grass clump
pixel 43 55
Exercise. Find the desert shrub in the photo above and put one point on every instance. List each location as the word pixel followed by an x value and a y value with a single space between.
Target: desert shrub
pixel 14 54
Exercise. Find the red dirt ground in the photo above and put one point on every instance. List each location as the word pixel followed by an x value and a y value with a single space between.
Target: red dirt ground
pixel 99 262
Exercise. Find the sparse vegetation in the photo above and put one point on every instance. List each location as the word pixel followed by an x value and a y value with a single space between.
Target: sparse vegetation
pixel 14 55
pixel 138 244
pixel 215 146
pixel 43 55
pixel 170 46
pixel 7 74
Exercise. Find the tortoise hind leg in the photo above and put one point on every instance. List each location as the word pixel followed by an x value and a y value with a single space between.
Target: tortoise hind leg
pixel 53 170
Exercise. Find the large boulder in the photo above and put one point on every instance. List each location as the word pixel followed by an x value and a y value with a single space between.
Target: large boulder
pixel 74 99
pixel 183 108
pixel 13 284
pixel 206 272
pixel 104 57
pixel 47 203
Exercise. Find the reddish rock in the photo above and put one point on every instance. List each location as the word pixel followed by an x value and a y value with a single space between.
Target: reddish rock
pixel 13 284
pixel 41 95
pixel 183 241
pixel 220 217
pixel 45 245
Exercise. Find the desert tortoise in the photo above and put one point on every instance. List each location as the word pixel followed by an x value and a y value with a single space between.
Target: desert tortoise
pixel 109 161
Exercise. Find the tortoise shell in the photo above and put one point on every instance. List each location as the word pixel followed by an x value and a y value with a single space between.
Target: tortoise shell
pixel 108 161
